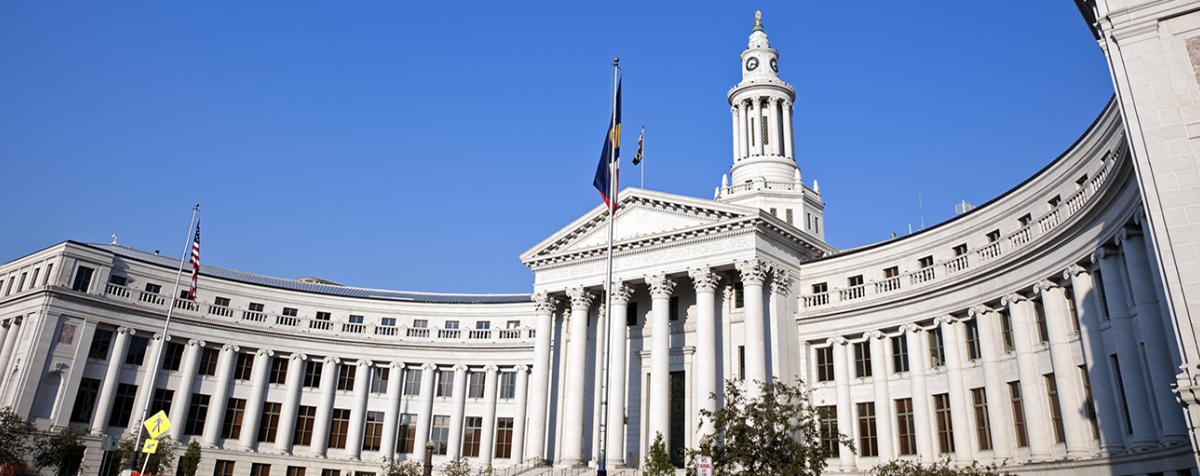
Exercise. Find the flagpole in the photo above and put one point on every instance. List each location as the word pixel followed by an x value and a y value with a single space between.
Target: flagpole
pixel 153 367
pixel 642 169
pixel 614 171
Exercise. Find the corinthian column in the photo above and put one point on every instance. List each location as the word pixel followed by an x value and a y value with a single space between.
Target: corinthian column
pixel 1129 365
pixel 183 394
pixel 787 129
pixel 573 416
pixel 773 126
pixel 615 444
pixel 661 288
pixel 744 130
pixel 1062 360
pixel 291 403
pixel 754 272
pixel 1112 436
pixel 112 375
pixel 1033 397
pixel 704 361
pixel 258 387
pixel 539 390
pixel 737 134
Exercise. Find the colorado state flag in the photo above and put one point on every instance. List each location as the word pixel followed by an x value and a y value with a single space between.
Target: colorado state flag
pixel 612 151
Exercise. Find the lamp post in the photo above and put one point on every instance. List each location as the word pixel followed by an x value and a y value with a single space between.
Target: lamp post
pixel 429 458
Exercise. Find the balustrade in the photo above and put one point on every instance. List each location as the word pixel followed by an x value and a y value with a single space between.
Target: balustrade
pixel 921 275
pixel 851 293
pixel 289 321
pixel 221 311
pixel 958 263
pixel 116 290
pixel 253 316
pixel 151 298
pixel 352 328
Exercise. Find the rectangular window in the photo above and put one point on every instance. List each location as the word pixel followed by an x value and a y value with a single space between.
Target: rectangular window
pixel 161 400
pixel 269 423
pixel 1089 404
pixel 287 311
pixel 312 374
pixel 412 382
pixel 960 250
pixel 868 445
pixel 221 301
pixel 223 468
pixel 1056 417
pixel 387 322
pixel 379 379
pixel 324 316
pixel 862 359
pixel 244 370
pixel 208 361
pixel 33 281
pixel 820 288
pixel 445 383
pixel 235 410
pixel 1006 330
pixel 1120 383
pixel 1025 220
pixel 101 341
pixel 673 308
pixel 420 323
pixel 122 407
pixel 891 272
pixel 451 325
pixel 339 427
pixel 741 355
pixel 937 353
pixel 508 385
pixel 136 354
pixel 331 472
pixel 824 364
pixel 197 413
pixel 346 374
pixel 631 313
pixel 983 425
pixel 925 262
pixel 504 434
pixel 153 288
pixel 993 236
pixel 905 426
pixel 279 370
pixel 829 430
pixel 1018 411
pixel 306 417
pixel 295 471
pixel 739 295
pixel 373 433
pixel 85 400
pixel 407 433
pixel 475 384
pixel 440 434
pixel 972 330
pixel 173 356
pixel 1039 314
pixel 472 432
pixel 789 216
pixel 260 469
pixel 854 281
pixel 49 274
pixel 900 353
pixel 83 279
pixel 118 280
pixel 945 422
pixel 355 319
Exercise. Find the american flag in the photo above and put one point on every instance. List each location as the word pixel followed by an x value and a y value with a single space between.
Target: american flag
pixel 195 262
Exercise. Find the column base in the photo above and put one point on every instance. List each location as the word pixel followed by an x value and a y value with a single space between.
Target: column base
pixel 571 463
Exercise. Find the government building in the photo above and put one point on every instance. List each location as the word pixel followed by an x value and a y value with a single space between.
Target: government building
pixel 1053 330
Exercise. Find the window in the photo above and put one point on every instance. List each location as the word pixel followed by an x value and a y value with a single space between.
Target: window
pixel 306 416
pixel 373 434
pixel 820 288
pixel 118 280
pixel 312 374
pixel 993 236
pixel 83 279
pixel 223 468
pixel 483 325
pixel 983 425
pixel 1053 202
pixel 1025 220
pixel 504 434
pixel 1055 410
pixel 937 353
pixel 387 322
pixel 153 288
pixel 21 285
pixel 451 325
pixel 173 356
pixel 420 323
pixel 324 316
pixel 472 432
pixel 355 319
pixel 269 423
pixel 49 273
pixel 475 384
pixel 245 366
pixel 208 361
pixel 379 379
pixel 412 382
pixel 221 301
pixel 339 427
pixel 346 374
pixel 101 340
pixel 862 359
pixel 260 469
pixel 1039 314
pixel 854 281
pixel 673 308
pixel 945 423
pixel 122 407
pixel 829 430
pixel 440 434
pixel 960 250
pixel 1018 411
pixel 331 472
pixel 33 280
pixel 445 383
pixel 739 296
pixel 407 433
pixel 197 413
pixel 900 353
pixel 742 362
pixel 824 364
pixel 1079 183
pixel 295 471
pixel 1006 330
pixel 1089 409
pixel 287 311
pixel 926 262
pixel 971 328
pixel 136 354
pixel 85 400
pixel 905 427
pixel 868 445
pixel 789 216
pixel 508 385
pixel 234 411
pixel 1098 287
pixel 161 400
pixel 279 369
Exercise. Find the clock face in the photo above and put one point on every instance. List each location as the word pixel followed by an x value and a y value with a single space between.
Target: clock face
pixel 752 64
pixel 774 65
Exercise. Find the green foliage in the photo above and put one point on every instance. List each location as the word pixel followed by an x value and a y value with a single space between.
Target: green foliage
pixel 161 462
pixel 941 468
pixel 657 461
pixel 776 433
pixel 62 451
pixel 457 467
pixel 190 460
pixel 402 468
pixel 19 438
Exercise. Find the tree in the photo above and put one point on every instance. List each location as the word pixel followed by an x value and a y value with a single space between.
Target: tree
pixel 190 460
pixel 457 467
pixel 657 461
pixel 18 437
pixel 776 433
pixel 941 468
pixel 62 451
pixel 161 461
pixel 401 468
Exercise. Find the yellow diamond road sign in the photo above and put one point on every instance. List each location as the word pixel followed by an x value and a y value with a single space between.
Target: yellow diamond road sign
pixel 150 446
pixel 157 425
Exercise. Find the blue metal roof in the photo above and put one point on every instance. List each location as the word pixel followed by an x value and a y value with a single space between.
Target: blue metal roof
pixel 295 285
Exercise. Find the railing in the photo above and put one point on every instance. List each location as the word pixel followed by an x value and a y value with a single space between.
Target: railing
pixel 385 330
pixel 116 290
pixel 479 334
pixel 984 254
pixel 352 328
pixel 320 325
pixel 288 321
pixel 421 332
pixel 151 298
pixel 449 333
pixel 186 304
pixel 509 334
pixel 221 311
pixel 254 316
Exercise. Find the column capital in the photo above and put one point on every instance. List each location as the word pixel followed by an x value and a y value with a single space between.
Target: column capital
pixel 704 279
pixel 753 271
pixel 491 368
pixel 580 297
pixel 543 303
pixel 396 365
pixel 329 359
pixel 158 337
pixel 264 352
pixel 297 356
pixel 622 293
pixel 877 335
pixel 120 330
pixel 781 280
pixel 460 367
pixel 980 310
pixel 230 348
pixel 660 285
pixel 1014 298
pixel 945 320
pixel 734 109
pixel 522 368
pixel 1073 271
pixel 362 363
pixel 1105 251
pixel 196 343
pixel 1127 233
pixel 1044 286
pixel 428 366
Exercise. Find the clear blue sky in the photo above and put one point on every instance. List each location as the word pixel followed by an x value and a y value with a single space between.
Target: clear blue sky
pixel 412 146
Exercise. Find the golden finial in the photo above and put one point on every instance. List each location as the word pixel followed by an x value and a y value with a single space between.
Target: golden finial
pixel 758 20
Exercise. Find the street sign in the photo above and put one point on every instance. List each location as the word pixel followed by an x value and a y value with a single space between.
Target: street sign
pixel 150 446
pixel 704 466
pixel 157 425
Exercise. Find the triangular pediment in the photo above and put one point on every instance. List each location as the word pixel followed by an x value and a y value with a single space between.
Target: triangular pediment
pixel 640 213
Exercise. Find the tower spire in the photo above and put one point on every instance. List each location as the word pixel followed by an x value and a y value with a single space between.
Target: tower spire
pixel 758 20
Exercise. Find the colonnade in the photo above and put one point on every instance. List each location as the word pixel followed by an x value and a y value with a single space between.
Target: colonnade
pixel 749 117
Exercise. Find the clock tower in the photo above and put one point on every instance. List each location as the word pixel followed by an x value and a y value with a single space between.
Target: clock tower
pixel 764 172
